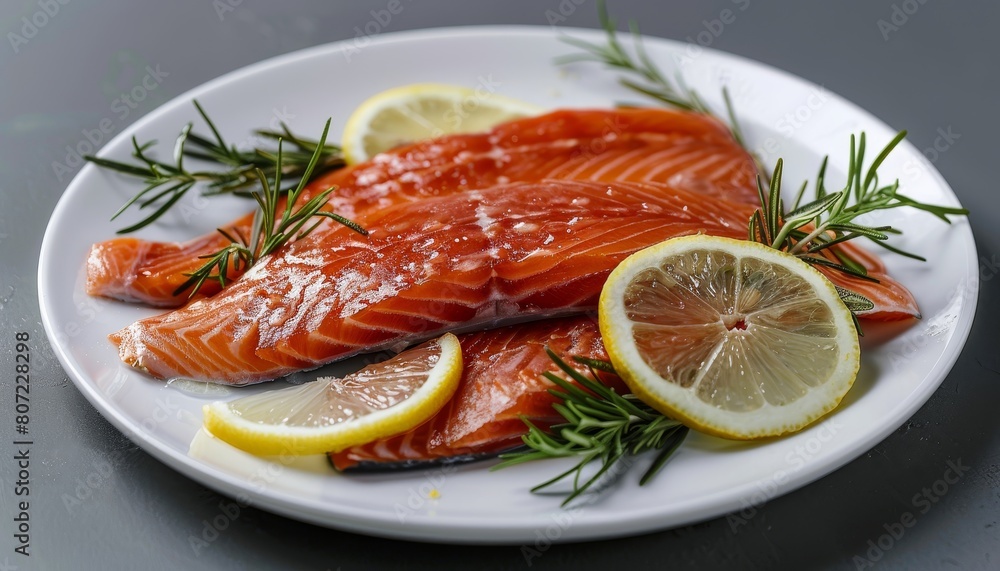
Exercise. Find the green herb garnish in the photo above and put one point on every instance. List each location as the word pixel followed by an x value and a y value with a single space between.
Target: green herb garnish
pixel 833 215
pixel 648 79
pixel 600 425
pixel 831 218
pixel 273 225
pixel 166 183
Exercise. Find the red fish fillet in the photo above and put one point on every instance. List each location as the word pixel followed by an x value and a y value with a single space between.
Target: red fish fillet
pixel 466 260
pixel 689 151
pixel 469 259
pixel 502 381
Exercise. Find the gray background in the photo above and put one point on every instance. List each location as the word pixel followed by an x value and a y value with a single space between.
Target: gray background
pixel 936 71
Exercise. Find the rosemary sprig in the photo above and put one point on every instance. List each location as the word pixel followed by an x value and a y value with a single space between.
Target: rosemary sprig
pixel 642 75
pixel 166 183
pixel 832 217
pixel 600 425
pixel 273 226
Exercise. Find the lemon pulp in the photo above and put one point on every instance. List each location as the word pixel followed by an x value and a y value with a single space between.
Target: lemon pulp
pixel 729 336
pixel 330 414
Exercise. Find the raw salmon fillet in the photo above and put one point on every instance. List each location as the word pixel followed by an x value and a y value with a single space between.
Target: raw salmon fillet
pixel 502 381
pixel 526 250
pixel 688 151
pixel 467 260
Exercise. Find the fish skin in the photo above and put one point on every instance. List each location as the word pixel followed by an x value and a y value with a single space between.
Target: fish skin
pixel 687 150
pixel 501 383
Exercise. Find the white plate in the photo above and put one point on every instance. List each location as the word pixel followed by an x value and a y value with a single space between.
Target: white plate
pixel 708 477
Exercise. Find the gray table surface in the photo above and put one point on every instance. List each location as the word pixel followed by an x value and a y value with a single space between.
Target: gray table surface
pixel 932 71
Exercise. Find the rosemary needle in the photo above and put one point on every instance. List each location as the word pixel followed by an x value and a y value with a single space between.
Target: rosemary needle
pixel 600 425
pixel 831 218
pixel 275 223
pixel 832 214
pixel 642 75
pixel 235 172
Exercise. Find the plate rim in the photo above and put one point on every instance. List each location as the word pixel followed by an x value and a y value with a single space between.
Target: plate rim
pixel 426 529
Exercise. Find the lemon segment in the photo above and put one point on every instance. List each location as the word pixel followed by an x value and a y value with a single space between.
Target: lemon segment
pixel 423 111
pixel 331 414
pixel 730 337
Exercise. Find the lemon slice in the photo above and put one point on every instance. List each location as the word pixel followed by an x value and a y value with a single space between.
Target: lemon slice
pixel 330 414
pixel 422 111
pixel 730 337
